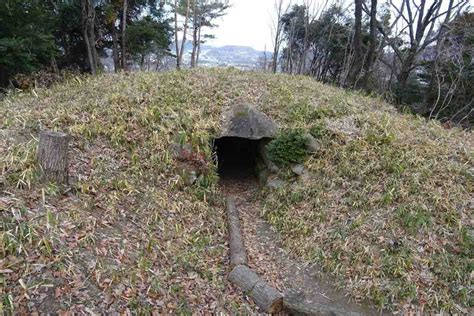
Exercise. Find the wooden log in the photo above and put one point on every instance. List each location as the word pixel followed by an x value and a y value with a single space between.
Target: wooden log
pixel 266 297
pixel 237 250
pixel 243 277
pixel 53 156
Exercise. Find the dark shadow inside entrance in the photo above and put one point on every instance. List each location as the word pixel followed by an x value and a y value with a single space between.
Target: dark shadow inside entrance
pixel 236 157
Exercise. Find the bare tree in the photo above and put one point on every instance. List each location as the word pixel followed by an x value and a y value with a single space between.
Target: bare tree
pixel 180 48
pixel 277 30
pixel 454 60
pixel 420 19
pixel 185 30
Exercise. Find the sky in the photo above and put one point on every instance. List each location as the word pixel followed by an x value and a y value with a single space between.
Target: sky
pixel 247 23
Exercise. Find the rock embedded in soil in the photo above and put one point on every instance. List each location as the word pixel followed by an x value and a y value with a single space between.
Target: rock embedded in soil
pixel 312 144
pixel 298 169
pixel 275 183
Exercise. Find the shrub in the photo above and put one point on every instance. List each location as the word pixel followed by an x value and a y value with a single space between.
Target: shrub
pixel 288 148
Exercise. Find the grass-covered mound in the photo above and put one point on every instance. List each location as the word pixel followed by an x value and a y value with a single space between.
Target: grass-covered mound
pixel 385 209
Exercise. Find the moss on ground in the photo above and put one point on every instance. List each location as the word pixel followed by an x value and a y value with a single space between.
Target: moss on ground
pixel 386 210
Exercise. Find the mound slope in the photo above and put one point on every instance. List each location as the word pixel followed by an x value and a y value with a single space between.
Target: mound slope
pixel 386 209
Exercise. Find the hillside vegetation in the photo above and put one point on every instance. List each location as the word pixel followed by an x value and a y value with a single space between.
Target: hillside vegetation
pixel 386 209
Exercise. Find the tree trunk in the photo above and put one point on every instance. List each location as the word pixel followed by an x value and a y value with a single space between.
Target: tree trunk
pixel 53 156
pixel 373 35
pixel 302 64
pixel 276 48
pixel 178 62
pixel 195 35
pixel 277 39
pixel 86 5
pixel 142 62
pixel 405 73
pixel 54 65
pixel 373 42
pixel 185 30
pixel 357 58
pixel 199 47
pixel 115 49
pixel 124 30
pixel 92 38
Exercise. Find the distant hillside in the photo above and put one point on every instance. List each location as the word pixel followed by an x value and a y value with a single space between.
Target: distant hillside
pixel 384 206
pixel 242 57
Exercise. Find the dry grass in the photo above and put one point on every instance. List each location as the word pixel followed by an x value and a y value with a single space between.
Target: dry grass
pixel 388 208
pixel 386 211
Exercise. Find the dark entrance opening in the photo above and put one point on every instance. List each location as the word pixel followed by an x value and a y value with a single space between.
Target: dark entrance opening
pixel 236 157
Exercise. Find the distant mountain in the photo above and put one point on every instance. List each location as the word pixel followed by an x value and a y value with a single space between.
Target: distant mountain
pixel 243 57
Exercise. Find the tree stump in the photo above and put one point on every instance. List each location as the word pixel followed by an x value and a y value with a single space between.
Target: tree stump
pixel 53 157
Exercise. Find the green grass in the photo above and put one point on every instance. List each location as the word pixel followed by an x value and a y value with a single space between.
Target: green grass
pixel 385 210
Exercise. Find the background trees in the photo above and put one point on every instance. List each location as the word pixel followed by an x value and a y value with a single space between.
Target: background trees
pixel 415 52
pixel 194 15
pixel 450 95
pixel 203 15
pixel 27 39
pixel 134 29
pixel 59 34
pixel 147 37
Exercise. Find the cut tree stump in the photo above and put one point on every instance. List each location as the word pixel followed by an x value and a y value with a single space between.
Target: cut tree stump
pixel 266 297
pixel 238 255
pixel 53 156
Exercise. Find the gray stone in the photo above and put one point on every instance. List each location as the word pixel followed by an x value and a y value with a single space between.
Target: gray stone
pixel 247 122
pixel 262 176
pixel 312 144
pixel 298 169
pixel 275 183
pixel 271 166
pixel 191 177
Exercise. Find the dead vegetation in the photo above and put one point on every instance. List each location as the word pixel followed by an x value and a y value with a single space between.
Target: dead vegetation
pixel 387 210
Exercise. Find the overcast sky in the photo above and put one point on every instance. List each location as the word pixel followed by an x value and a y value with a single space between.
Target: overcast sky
pixel 247 23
